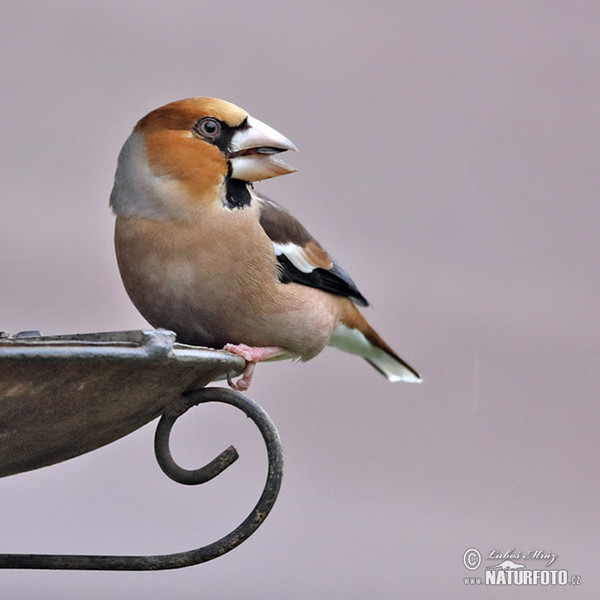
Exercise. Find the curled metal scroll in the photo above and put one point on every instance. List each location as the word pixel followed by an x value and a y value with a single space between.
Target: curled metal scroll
pixel 174 471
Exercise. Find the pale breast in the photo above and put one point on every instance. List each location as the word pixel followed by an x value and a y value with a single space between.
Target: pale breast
pixel 216 282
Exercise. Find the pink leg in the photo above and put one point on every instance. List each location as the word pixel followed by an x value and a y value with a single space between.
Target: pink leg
pixel 251 355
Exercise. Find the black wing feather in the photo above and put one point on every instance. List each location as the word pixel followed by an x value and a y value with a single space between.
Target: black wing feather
pixel 282 227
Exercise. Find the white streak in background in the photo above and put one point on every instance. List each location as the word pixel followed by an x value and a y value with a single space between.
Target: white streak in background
pixel 475 382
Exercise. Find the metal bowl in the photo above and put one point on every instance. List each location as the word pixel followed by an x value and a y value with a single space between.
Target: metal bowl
pixel 62 396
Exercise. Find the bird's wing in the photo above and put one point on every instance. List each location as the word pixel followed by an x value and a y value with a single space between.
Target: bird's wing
pixel 301 258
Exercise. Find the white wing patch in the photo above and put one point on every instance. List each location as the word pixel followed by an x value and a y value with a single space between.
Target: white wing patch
pixel 295 255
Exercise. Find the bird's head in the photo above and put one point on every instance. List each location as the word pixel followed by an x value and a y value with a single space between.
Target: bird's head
pixel 197 143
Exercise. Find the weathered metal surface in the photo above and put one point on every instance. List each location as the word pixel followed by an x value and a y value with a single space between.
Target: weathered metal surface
pixel 163 454
pixel 62 396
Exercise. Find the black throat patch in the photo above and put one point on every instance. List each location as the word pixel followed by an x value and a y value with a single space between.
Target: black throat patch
pixel 237 194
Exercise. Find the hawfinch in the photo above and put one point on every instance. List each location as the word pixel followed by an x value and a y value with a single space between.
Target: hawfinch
pixel 202 254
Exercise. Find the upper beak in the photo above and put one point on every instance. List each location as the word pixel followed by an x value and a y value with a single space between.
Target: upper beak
pixel 253 150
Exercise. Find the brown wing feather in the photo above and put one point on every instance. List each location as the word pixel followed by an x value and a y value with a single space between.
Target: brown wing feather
pixel 301 258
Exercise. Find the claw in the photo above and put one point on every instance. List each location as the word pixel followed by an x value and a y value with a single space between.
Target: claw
pixel 252 355
pixel 243 383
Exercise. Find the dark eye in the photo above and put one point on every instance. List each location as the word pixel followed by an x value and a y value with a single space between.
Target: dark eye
pixel 208 128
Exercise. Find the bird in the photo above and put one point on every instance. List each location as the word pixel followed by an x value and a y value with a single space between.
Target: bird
pixel 203 254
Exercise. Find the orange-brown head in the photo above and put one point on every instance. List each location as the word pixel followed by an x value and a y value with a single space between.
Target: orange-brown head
pixel 194 152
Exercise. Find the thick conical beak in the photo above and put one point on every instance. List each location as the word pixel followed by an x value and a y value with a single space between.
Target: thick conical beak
pixel 253 152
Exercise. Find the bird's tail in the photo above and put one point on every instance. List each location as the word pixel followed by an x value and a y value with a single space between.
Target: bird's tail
pixel 356 336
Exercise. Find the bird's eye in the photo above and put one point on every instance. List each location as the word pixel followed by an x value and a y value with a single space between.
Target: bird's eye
pixel 208 128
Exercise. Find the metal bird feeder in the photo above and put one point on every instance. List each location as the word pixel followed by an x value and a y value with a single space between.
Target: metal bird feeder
pixel 62 396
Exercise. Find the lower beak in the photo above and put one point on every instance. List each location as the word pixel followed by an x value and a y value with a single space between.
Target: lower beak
pixel 253 152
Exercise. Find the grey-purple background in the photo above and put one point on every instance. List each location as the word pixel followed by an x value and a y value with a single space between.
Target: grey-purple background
pixel 449 159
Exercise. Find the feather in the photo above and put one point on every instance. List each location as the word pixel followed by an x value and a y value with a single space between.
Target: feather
pixel 301 258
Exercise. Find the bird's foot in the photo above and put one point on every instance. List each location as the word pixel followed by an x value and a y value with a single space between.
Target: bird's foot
pixel 252 355
pixel 243 383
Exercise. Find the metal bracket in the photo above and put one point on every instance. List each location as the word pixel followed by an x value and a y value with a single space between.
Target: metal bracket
pixel 188 477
